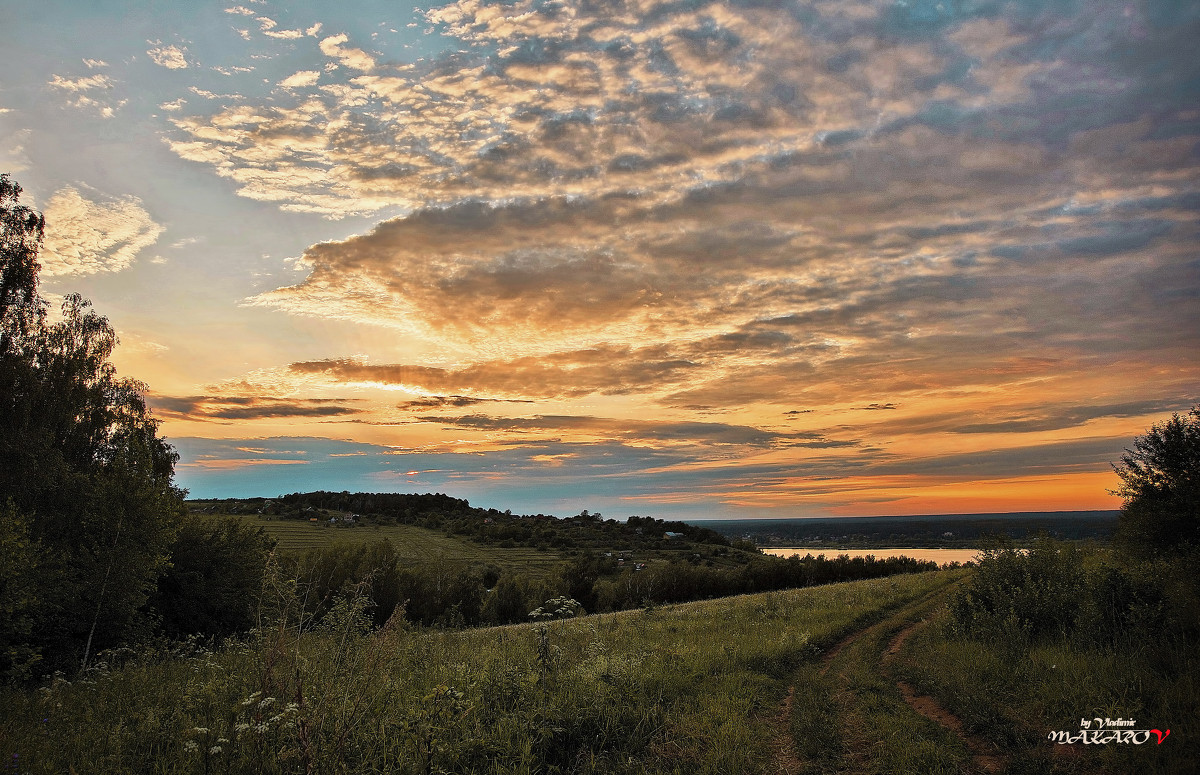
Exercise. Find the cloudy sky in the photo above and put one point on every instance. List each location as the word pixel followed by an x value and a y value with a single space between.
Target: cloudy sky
pixel 682 258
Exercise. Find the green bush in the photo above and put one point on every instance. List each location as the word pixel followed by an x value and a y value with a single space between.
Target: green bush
pixel 1085 594
pixel 323 576
pixel 1021 595
pixel 1123 605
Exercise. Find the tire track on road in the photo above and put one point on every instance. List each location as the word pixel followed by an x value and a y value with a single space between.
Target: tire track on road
pixel 984 757
pixel 785 758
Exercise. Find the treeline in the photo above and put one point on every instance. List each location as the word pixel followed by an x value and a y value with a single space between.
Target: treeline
pixel 223 581
pixel 492 527
pixel 683 581
pixel 951 530
pixel 427 510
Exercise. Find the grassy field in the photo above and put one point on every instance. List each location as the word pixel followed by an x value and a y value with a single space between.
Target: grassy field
pixel 858 677
pixel 693 688
pixel 415 544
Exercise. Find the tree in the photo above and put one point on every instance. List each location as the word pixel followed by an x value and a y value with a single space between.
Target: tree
pixel 21 312
pixel 21 231
pixel 1160 482
pixel 82 468
pixel 20 571
pixel 216 576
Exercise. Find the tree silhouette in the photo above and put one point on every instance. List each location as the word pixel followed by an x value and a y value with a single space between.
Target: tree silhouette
pixel 83 472
pixel 1160 482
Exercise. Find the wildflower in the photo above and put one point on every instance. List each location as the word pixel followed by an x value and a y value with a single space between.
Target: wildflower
pixel 215 749
pixel 189 745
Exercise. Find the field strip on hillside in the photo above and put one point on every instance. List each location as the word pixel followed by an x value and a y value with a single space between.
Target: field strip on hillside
pixel 411 542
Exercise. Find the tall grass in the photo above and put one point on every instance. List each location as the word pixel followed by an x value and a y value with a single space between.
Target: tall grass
pixel 1038 642
pixel 691 688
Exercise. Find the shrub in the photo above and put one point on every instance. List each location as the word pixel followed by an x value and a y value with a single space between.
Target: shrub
pixel 1022 595
pixel 1123 606
pixel 322 576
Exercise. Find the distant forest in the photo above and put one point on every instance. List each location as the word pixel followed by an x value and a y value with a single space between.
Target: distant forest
pixel 458 517
pixel 938 530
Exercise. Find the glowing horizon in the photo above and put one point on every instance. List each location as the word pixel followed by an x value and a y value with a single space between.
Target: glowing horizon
pixel 710 260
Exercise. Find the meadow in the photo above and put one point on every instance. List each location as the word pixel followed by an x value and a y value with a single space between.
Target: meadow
pixel 411 542
pixel 874 676
pixel 687 688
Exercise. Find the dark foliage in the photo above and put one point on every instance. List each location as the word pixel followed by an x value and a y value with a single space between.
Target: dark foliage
pixel 21 571
pixel 442 595
pixel 1023 594
pixel 215 578
pixel 682 581
pixel 324 576
pixel 1086 596
pixel 1145 593
pixel 1160 482
pixel 81 463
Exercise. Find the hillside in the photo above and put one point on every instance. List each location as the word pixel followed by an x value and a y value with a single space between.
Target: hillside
pixel 641 691
pixel 445 563
pixel 412 542
pixel 428 526
pixel 860 677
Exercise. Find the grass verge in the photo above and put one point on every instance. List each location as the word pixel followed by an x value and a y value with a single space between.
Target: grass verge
pixel 1014 697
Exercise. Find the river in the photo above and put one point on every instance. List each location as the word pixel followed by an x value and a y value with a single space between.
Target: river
pixel 940 556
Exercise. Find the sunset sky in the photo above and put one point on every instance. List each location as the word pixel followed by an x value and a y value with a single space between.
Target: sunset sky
pixel 684 259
